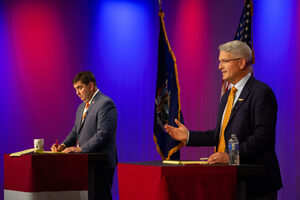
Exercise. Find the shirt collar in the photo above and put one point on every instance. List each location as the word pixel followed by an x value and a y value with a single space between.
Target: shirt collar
pixel 93 96
pixel 240 85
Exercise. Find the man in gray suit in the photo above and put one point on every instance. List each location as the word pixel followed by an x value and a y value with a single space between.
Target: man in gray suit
pixel 94 130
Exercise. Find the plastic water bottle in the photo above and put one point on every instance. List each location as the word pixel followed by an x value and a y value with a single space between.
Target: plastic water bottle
pixel 233 150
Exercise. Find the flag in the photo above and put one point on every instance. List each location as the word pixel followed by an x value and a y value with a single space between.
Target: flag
pixel 167 98
pixel 243 33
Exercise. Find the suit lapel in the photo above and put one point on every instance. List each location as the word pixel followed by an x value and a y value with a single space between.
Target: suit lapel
pixel 89 109
pixel 79 117
pixel 242 98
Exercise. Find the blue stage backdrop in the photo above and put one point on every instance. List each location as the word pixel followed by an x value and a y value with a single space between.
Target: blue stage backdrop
pixel 44 44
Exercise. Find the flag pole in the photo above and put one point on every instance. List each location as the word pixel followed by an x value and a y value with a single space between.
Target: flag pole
pixel 159 2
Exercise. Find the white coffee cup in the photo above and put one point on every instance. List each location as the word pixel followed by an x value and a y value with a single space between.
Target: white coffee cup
pixel 38 145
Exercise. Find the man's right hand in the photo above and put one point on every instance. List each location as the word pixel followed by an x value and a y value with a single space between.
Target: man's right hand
pixel 57 148
pixel 180 133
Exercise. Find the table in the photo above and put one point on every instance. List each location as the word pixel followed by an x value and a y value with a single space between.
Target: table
pixel 51 176
pixel 154 180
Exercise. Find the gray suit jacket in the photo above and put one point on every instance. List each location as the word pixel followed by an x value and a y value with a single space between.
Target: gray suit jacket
pixel 97 133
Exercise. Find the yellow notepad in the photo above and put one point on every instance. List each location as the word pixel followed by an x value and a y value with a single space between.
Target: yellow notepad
pixel 185 162
pixel 22 152
pixel 47 152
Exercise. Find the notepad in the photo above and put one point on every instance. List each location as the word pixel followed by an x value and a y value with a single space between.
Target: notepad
pixel 185 162
pixel 47 152
pixel 20 153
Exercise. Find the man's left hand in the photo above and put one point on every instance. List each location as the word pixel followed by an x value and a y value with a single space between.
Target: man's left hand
pixel 218 157
pixel 72 150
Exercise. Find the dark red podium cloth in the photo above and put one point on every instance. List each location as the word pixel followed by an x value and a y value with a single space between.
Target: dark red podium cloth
pixel 157 181
pixel 46 172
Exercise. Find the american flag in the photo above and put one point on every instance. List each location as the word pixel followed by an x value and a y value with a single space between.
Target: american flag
pixel 243 33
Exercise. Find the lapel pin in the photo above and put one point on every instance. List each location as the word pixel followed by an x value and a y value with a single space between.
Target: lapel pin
pixel 241 99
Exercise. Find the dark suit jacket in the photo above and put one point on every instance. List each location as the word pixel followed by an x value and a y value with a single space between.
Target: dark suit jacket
pixel 253 120
pixel 97 133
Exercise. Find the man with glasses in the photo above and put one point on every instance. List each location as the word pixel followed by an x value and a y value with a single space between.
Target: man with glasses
pixel 249 110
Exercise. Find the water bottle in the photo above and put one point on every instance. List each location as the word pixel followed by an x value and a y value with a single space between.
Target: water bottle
pixel 233 150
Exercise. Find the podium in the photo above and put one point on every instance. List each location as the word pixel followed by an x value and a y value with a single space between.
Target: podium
pixel 157 181
pixel 51 176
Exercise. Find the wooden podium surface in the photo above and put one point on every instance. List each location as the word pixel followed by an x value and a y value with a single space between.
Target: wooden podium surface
pixel 157 181
pixel 51 176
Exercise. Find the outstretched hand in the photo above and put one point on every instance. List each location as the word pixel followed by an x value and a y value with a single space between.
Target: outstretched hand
pixel 180 133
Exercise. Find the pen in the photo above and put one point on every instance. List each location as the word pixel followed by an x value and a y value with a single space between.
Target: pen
pixel 56 144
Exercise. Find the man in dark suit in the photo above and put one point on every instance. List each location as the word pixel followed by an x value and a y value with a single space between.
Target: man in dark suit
pixel 252 118
pixel 94 130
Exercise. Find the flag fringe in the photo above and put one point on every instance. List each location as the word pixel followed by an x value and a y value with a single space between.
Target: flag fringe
pixel 158 149
pixel 161 15
pixel 175 149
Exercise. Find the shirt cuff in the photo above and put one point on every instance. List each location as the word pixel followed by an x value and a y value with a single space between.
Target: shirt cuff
pixel 188 137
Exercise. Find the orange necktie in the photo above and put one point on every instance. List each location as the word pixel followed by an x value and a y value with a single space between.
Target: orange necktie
pixel 221 147
pixel 84 111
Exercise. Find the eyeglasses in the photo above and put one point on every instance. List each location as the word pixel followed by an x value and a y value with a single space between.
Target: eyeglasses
pixel 225 61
